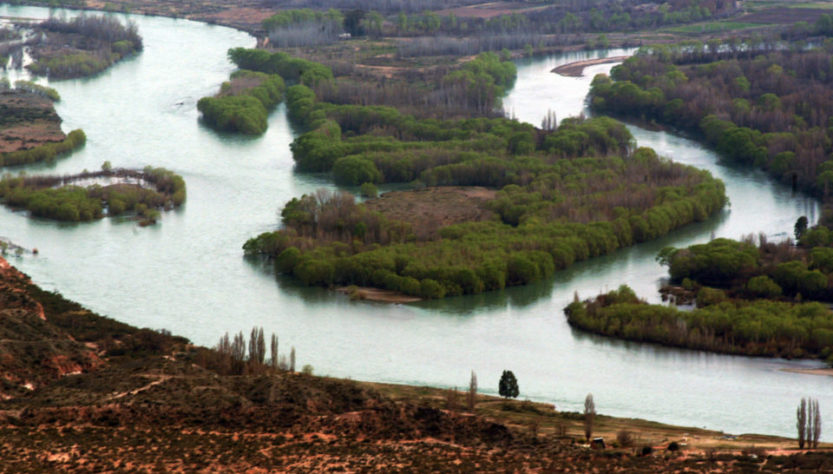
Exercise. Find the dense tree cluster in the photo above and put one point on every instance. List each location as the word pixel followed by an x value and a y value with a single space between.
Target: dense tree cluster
pixel 770 109
pixel 758 328
pixel 243 104
pixel 291 69
pixel 56 197
pixel 93 43
pixel 568 211
pixel 381 144
pixel 45 152
pixel 767 270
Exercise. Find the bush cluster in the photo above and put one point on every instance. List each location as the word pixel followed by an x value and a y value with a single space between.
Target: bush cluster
pixel 245 110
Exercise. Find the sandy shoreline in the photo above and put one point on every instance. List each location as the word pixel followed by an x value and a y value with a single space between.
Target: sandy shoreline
pixel 377 294
pixel 827 372
pixel 576 68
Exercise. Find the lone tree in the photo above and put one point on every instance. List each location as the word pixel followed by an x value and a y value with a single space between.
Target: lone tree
pixel 589 415
pixel 472 398
pixel 800 227
pixel 508 385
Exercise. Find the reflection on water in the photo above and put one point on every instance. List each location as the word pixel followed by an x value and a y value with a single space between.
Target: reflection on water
pixel 188 275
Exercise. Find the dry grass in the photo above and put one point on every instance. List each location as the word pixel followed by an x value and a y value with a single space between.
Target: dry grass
pixel 430 209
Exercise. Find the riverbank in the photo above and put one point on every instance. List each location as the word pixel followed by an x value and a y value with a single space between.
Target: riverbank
pixel 576 69
pixel 84 391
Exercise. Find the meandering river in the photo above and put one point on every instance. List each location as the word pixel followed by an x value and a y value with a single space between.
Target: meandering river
pixel 188 275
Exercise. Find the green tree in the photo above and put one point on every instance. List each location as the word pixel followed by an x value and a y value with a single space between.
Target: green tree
pixel 800 227
pixel 508 385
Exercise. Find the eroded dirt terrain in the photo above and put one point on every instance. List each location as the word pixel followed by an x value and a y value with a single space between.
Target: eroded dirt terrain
pixel 26 121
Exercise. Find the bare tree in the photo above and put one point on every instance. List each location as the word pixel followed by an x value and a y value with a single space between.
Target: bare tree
pixel 550 121
pixel 472 397
pixel 801 422
pixel 813 423
pixel 238 353
pixel 292 359
pixel 261 347
pixel 224 354
pixel 589 415
pixel 257 348
pixel 274 352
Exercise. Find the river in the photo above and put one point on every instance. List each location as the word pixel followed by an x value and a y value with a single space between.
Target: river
pixel 188 275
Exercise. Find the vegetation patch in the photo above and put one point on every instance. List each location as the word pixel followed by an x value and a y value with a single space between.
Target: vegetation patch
pixel 757 328
pixel 80 47
pixel 559 196
pixel 142 192
pixel 243 103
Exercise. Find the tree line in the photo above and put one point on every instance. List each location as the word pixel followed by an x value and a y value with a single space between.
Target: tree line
pixel 755 328
pixel 769 109
pixel 237 356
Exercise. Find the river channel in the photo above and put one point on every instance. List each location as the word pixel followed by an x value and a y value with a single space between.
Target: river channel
pixel 188 275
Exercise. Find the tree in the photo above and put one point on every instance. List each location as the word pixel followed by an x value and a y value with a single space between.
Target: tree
pixel 549 122
pixel 292 359
pixel 257 347
pixel 813 432
pixel 589 415
pixel 801 422
pixel 800 227
pixel 508 385
pixel 274 352
pixel 472 398
pixel 238 353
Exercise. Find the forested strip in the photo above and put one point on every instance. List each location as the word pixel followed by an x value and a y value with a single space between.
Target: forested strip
pixel 757 328
pixel 771 109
